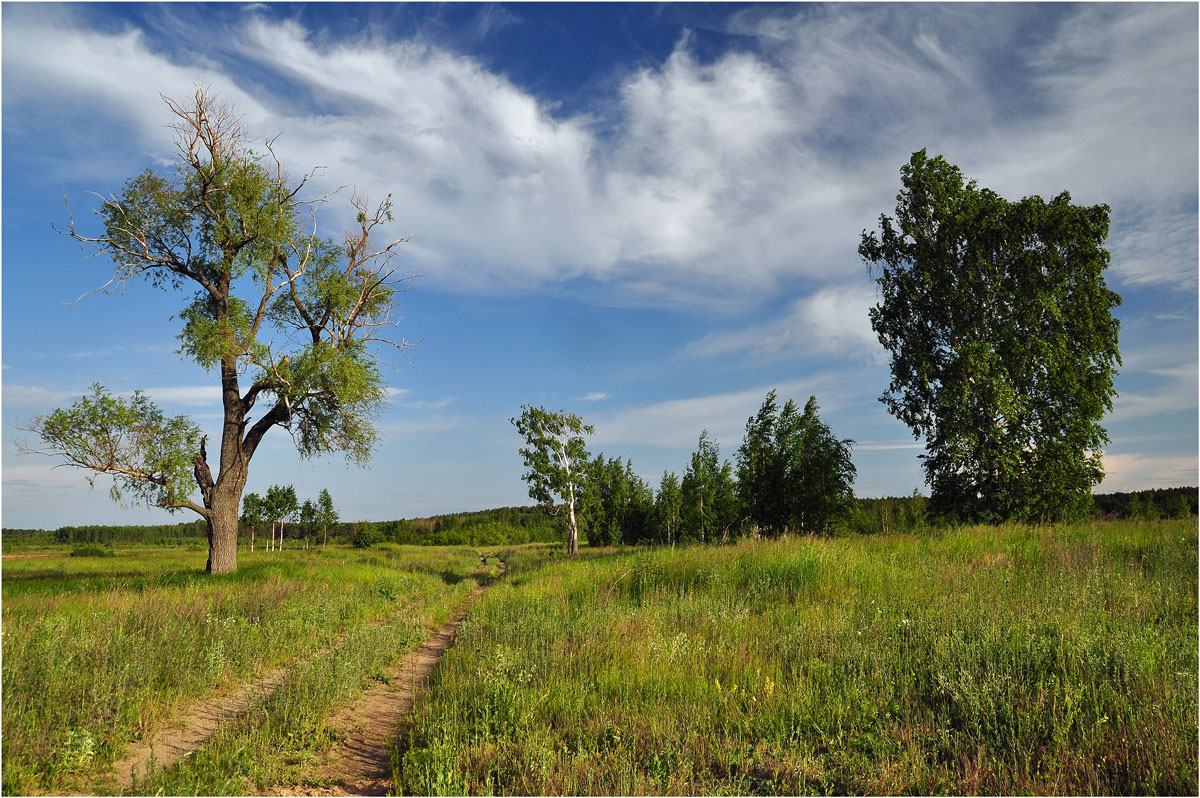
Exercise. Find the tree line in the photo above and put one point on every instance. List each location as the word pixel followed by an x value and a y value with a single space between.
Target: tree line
pixel 533 524
pixel 791 474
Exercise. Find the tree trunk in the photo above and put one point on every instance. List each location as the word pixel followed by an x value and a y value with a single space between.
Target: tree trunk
pixel 573 534
pixel 251 540
pixel 223 532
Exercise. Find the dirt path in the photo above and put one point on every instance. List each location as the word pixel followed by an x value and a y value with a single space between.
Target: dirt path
pixel 362 764
pixel 192 728
pixel 196 724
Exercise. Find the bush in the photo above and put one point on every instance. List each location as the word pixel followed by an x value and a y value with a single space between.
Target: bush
pixel 366 536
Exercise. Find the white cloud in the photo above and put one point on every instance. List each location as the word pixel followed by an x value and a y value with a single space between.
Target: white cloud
pixel 832 322
pixel 34 396
pixel 184 394
pixel 594 396
pixel 678 422
pixel 721 181
pixel 429 405
pixel 1126 472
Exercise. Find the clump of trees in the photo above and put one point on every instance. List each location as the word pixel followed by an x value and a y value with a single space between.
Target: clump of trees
pixel 793 475
pixel 281 506
pixel 1002 339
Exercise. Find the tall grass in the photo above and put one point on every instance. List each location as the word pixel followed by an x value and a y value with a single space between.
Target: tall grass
pixel 978 660
pixel 99 652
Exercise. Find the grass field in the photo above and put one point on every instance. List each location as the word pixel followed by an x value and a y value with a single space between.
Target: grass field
pixel 980 660
pixel 977 660
pixel 99 651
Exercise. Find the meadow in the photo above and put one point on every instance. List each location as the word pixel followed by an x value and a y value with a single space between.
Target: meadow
pixel 983 660
pixel 102 650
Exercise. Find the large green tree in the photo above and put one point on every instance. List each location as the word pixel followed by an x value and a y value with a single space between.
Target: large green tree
pixel 557 458
pixel 668 504
pixel 793 473
pixel 288 322
pixel 1002 339
pixel 708 496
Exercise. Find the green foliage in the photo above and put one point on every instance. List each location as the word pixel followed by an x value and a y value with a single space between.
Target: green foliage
pixel 326 516
pixel 148 455
pixel 255 512
pixel 668 508
pixel 281 503
pixel 366 536
pixel 556 456
pixel 554 452
pixel 616 504
pixel 793 473
pixel 1003 342
pixel 708 500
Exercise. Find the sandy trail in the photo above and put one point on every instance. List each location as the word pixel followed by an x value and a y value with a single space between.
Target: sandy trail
pixel 193 728
pixel 371 725
pixel 361 765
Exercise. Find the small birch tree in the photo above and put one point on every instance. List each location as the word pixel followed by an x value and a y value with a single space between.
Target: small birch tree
pixel 557 460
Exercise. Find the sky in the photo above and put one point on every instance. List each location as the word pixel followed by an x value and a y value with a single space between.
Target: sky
pixel 644 214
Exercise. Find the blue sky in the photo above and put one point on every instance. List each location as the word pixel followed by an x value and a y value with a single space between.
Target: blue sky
pixel 644 214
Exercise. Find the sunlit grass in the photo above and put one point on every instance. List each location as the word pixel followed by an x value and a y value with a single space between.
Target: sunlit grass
pixel 979 660
pixel 100 651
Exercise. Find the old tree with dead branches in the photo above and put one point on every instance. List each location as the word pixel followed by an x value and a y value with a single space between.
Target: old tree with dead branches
pixel 293 325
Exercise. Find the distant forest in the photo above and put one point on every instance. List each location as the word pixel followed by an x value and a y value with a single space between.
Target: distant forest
pixel 514 525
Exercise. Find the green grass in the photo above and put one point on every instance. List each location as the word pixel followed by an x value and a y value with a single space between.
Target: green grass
pixel 978 660
pixel 98 652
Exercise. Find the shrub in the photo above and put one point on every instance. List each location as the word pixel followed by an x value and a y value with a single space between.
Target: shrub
pixel 366 536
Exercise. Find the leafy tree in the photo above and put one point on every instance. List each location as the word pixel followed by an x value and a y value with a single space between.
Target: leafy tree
pixel 638 525
pixel 668 505
pixel 793 473
pixel 254 514
pixel 1180 508
pixel 557 459
pixel 308 520
pixel 707 493
pixel 294 315
pixel 615 503
pixel 824 472
pixel 281 505
pixel 1002 341
pixel 760 471
pixel 366 536
pixel 326 515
